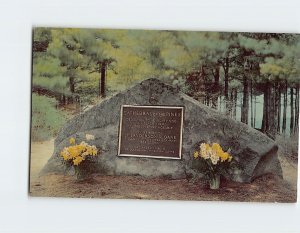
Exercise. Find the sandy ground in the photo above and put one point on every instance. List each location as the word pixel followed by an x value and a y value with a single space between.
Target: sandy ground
pixel 264 189
pixel 289 170
pixel 40 153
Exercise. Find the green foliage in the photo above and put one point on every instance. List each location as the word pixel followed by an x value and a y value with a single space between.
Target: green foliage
pixel 69 62
pixel 74 55
pixel 57 83
pixel 73 64
pixel 49 74
pixel 46 119
pixel 46 66
pixel 41 34
pixel 273 67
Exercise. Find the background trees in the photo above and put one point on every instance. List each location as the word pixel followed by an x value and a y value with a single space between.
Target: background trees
pixel 251 77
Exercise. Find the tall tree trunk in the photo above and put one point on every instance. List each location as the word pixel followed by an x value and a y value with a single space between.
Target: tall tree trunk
pixel 285 93
pixel 296 109
pixel 271 132
pixel 203 78
pixel 215 91
pixel 235 103
pixel 251 99
pixel 216 76
pixel 275 102
pixel 278 106
pixel 226 77
pixel 292 110
pixel 214 100
pixel 72 84
pixel 63 100
pixel 265 119
pixel 228 105
pixel 220 103
pixel 245 107
pixel 207 99
pixel 102 79
pixel 254 117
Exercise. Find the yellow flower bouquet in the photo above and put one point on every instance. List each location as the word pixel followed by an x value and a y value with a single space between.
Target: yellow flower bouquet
pixel 79 156
pixel 212 160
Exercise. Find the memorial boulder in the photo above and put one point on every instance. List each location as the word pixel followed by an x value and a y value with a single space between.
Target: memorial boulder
pixel 152 130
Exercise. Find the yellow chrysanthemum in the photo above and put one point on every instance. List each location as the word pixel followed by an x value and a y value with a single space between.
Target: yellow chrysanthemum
pixel 72 141
pixel 196 154
pixel 62 154
pixel 207 146
pixel 216 147
pixel 74 151
pixel 77 153
pixel 77 160
pixel 213 152
pixel 94 152
pixel 224 156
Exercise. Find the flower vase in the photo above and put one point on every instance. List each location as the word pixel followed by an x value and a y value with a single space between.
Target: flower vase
pixel 214 183
pixel 80 173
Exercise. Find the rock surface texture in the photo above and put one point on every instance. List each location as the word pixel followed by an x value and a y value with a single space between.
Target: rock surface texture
pixel 256 152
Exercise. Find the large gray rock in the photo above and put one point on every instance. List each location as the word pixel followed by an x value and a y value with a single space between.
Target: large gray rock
pixel 256 152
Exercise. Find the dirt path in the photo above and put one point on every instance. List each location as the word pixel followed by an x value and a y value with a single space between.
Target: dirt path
pixel 40 153
pixel 267 188
pixel 289 170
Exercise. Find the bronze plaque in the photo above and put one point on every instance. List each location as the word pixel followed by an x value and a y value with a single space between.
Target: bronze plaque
pixel 151 131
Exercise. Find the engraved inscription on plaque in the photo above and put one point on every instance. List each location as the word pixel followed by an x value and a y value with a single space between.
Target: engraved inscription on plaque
pixel 151 131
